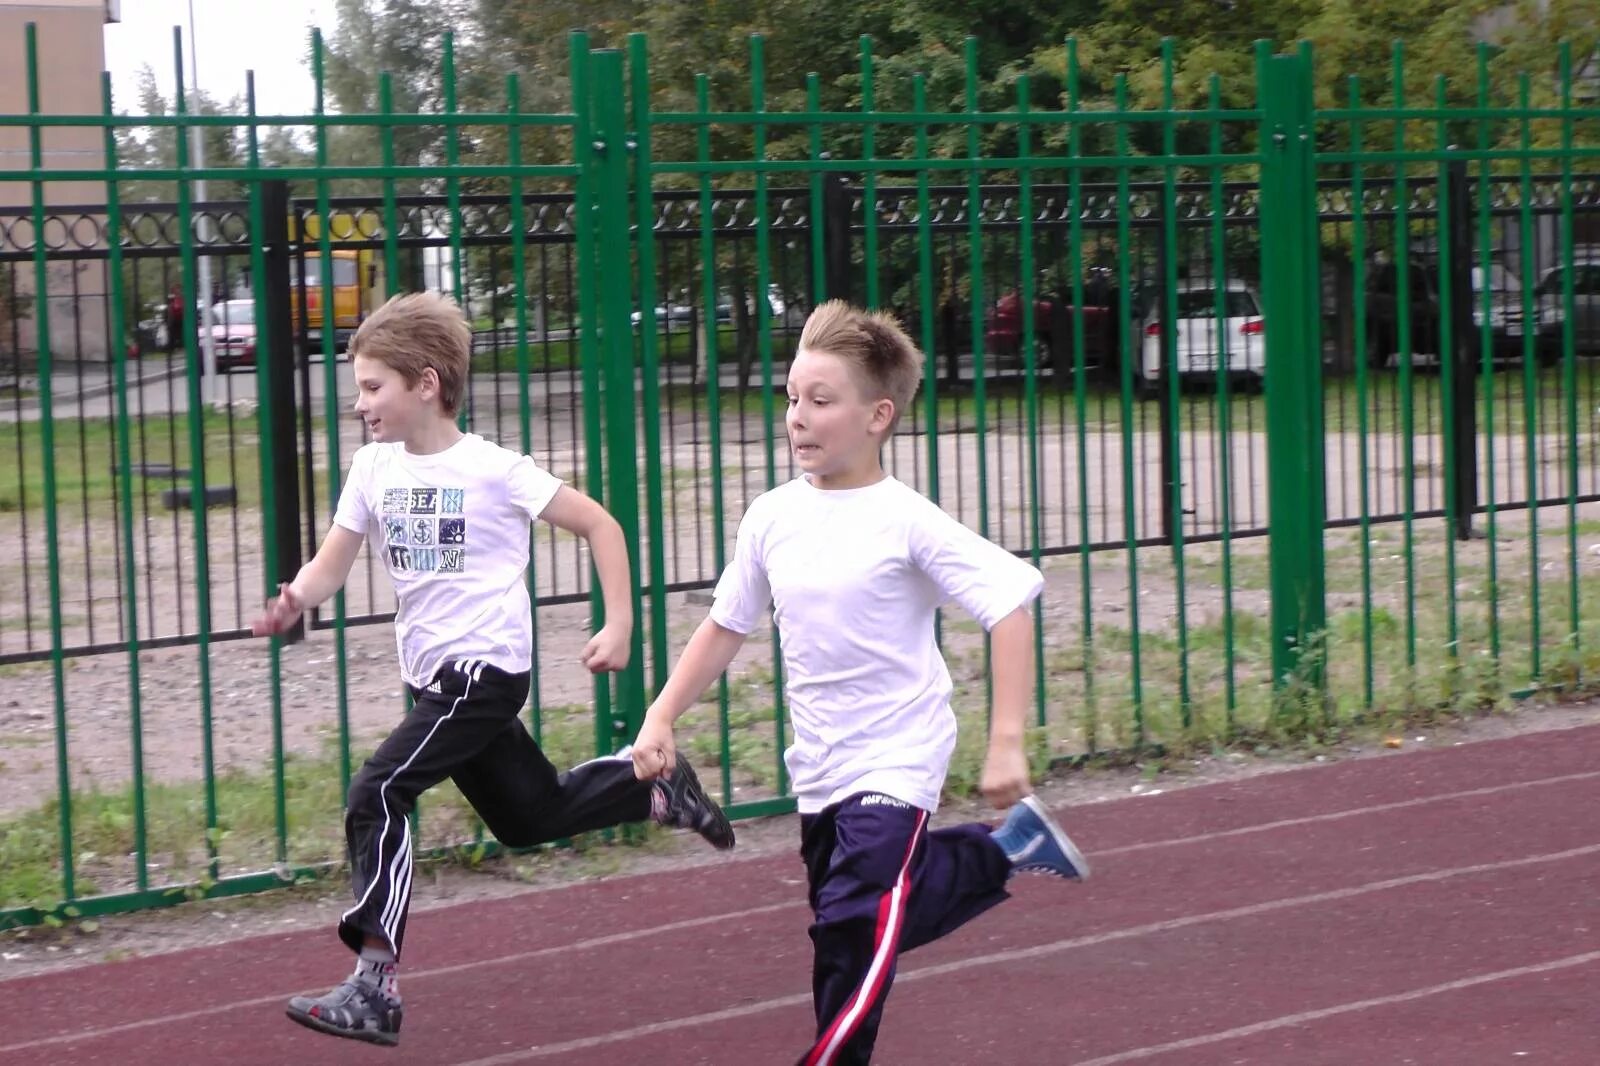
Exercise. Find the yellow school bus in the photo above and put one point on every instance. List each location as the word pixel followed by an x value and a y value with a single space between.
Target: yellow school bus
pixel 357 285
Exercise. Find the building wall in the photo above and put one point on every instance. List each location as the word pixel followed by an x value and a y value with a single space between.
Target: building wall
pixel 71 56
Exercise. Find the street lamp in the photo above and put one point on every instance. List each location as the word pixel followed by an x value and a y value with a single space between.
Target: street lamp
pixel 208 355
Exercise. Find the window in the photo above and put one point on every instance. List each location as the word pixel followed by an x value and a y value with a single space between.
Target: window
pixel 1500 280
pixel 344 271
pixel 1203 304
pixel 234 313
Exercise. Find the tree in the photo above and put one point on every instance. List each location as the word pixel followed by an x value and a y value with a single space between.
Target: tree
pixel 405 39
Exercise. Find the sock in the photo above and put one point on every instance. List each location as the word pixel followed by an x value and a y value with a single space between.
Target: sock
pixel 377 968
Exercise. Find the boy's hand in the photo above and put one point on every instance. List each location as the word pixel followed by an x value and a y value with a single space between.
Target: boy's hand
pixel 282 612
pixel 1005 774
pixel 607 650
pixel 654 751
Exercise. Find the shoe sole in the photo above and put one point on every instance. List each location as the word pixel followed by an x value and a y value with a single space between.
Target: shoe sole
pixel 1059 835
pixel 723 826
pixel 366 1036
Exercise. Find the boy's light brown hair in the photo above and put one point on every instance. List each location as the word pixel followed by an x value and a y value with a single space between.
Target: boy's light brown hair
pixel 417 330
pixel 886 362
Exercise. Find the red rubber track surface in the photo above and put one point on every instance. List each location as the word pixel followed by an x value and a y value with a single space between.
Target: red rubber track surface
pixel 1438 907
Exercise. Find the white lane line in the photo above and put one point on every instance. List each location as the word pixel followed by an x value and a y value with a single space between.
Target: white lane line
pixel 412 976
pixel 540 1051
pixel 1355 812
pixel 409 975
pixel 1289 1020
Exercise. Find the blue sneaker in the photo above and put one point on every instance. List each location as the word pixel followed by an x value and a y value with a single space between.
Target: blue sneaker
pixel 1035 844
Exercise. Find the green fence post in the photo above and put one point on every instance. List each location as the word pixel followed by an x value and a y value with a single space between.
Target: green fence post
pixel 649 359
pixel 1296 501
pixel 608 162
pixel 47 445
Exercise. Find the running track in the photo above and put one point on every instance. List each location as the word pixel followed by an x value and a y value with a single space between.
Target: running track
pixel 1439 907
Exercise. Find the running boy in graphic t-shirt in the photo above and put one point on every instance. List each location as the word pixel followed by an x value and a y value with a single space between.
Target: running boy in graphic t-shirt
pixel 448 514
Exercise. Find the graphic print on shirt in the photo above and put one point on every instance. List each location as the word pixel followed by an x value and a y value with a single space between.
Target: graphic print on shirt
pixel 424 530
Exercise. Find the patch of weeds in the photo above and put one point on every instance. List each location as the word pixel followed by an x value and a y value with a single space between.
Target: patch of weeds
pixel 178 844
pixel 1251 637
pixel 1300 707
pixel 965 776
pixel 566 733
pixel 1071 659
pixel 1569 669
pixel 1348 627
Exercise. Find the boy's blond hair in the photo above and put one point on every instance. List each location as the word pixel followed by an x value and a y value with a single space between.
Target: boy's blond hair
pixel 885 361
pixel 417 330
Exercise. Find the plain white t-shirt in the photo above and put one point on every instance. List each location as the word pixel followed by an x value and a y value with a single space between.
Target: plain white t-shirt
pixel 453 530
pixel 854 577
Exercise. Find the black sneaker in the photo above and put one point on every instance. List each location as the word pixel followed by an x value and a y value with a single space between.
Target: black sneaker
pixel 688 807
pixel 354 1009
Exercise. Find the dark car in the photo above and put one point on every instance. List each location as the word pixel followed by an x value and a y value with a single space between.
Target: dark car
pixel 1053 332
pixel 1505 314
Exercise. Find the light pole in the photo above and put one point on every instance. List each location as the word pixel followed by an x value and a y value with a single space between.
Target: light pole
pixel 202 312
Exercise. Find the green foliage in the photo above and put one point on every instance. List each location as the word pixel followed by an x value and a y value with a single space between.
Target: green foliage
pixel 1115 39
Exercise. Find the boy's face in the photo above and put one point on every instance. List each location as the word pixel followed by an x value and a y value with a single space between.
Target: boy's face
pixel 835 429
pixel 392 409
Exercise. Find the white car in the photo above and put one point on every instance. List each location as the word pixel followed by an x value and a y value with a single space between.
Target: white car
pixel 233 334
pixel 1200 345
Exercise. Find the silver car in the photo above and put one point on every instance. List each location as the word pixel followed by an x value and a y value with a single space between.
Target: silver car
pixel 1585 271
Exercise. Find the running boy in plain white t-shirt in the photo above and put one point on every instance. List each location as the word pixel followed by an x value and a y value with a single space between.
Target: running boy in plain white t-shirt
pixel 854 564
pixel 448 514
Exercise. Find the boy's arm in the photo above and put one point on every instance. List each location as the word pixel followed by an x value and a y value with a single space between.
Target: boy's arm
pixel 574 512
pixel 324 575
pixel 987 580
pixel 706 656
pixel 1005 770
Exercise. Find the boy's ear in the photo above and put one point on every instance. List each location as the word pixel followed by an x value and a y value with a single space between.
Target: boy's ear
pixel 428 383
pixel 882 415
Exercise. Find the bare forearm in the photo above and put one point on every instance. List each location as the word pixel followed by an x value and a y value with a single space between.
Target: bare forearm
pixel 610 552
pixel 1011 665
pixel 315 583
pixel 704 658
pixel 325 574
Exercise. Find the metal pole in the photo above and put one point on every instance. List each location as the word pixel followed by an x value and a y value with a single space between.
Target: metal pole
pixel 1296 496
pixel 208 355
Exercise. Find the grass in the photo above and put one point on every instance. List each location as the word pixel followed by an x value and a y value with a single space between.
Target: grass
pixel 85 458
pixel 85 455
pixel 1418 669
pixel 1199 409
pixel 176 835
pixel 678 347
pixel 1440 681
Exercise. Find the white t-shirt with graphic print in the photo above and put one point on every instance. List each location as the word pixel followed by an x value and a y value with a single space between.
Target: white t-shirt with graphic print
pixel 453 529
pixel 854 577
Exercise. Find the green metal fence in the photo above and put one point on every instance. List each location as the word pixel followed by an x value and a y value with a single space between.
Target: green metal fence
pixel 1296 406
